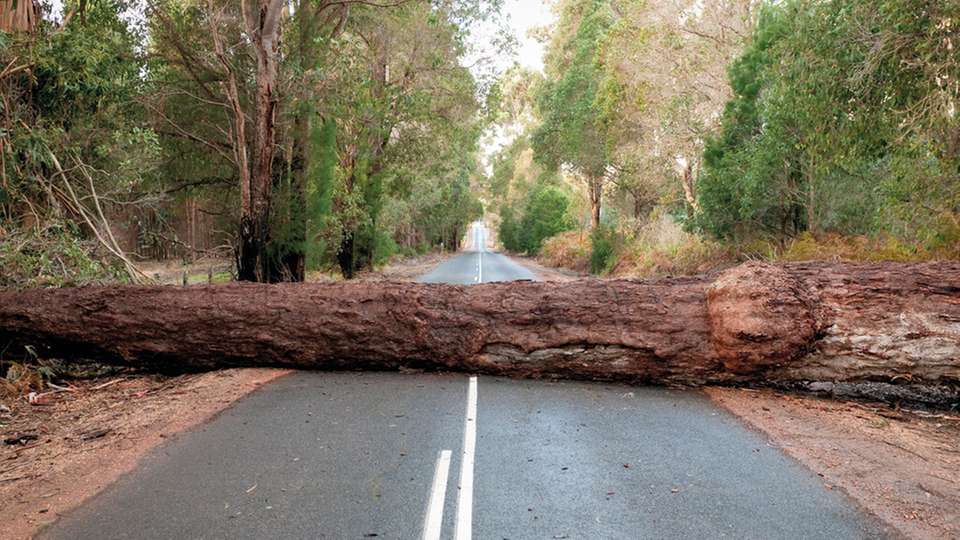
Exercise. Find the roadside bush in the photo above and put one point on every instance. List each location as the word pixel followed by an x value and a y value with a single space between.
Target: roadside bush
pixel 385 248
pixel 544 216
pixel 53 257
pixel 508 232
pixel 569 249
pixel 835 247
pixel 605 242
pixel 691 254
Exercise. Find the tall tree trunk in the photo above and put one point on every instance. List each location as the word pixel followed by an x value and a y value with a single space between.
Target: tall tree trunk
pixel 689 190
pixel 754 324
pixel 812 225
pixel 595 187
pixel 18 15
pixel 246 250
pixel 294 259
pixel 264 28
pixel 346 256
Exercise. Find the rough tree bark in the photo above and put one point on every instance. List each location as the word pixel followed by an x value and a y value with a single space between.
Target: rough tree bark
pixel 757 324
pixel 19 15
pixel 595 188
pixel 263 27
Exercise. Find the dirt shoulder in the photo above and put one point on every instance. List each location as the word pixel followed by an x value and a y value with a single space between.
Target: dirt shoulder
pixel 903 467
pixel 408 269
pixel 547 273
pixel 59 453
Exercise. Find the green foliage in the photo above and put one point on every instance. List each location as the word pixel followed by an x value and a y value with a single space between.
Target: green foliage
pixel 73 97
pixel 544 216
pixel 509 231
pixel 321 175
pixel 572 103
pixel 54 257
pixel 604 241
pixel 840 122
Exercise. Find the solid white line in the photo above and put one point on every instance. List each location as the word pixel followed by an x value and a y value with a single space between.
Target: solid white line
pixel 433 522
pixel 464 526
pixel 480 248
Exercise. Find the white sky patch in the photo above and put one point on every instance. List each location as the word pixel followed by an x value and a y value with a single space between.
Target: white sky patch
pixel 523 16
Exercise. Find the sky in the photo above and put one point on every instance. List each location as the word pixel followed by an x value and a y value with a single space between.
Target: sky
pixel 524 16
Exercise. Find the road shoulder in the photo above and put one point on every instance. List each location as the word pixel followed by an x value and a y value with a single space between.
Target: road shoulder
pixel 88 437
pixel 546 273
pixel 903 467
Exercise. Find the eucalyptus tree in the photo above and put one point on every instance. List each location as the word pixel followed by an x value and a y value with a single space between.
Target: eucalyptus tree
pixel 404 102
pixel 664 87
pixel 572 132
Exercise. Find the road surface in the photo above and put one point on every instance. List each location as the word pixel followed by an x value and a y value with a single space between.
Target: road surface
pixel 385 455
pixel 477 264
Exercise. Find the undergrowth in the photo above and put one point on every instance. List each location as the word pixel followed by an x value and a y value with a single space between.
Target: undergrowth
pixel 661 249
pixel 52 257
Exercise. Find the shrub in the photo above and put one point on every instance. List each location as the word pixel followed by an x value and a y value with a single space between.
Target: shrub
pixel 508 231
pixel 569 249
pixel 543 217
pixel 53 257
pixel 604 246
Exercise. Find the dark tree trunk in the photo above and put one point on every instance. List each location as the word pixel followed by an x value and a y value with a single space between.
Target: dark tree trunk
pixel 754 324
pixel 252 245
pixel 294 259
pixel 345 256
pixel 255 218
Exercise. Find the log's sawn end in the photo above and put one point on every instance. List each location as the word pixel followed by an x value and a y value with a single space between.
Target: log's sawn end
pixel 761 318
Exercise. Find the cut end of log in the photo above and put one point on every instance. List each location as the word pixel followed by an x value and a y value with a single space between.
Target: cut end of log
pixel 760 318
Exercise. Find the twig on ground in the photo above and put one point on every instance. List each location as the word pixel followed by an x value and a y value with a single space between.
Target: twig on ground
pixel 106 384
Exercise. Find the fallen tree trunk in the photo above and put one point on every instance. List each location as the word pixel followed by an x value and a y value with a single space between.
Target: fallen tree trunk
pixel 756 323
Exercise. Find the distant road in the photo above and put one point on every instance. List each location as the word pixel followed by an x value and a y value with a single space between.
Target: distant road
pixel 477 264
pixel 409 456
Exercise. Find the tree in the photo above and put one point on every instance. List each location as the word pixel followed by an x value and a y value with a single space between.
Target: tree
pixel 572 132
pixel 19 15
pixel 545 215
pixel 839 124
pixel 664 86
pixel 409 123
pixel 71 129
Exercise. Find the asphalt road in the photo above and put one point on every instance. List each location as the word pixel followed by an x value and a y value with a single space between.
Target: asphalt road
pixel 477 264
pixel 385 455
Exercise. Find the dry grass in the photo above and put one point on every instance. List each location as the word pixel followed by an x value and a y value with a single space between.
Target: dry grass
pixel 662 248
pixel 570 250
pixel 835 247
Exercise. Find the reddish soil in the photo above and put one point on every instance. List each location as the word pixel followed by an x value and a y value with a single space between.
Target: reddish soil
pixel 903 467
pixel 547 273
pixel 88 437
